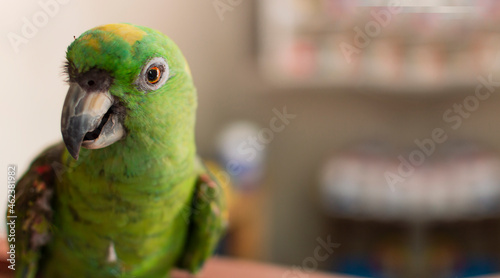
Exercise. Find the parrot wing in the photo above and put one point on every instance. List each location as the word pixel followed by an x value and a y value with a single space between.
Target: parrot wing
pixel 32 212
pixel 208 219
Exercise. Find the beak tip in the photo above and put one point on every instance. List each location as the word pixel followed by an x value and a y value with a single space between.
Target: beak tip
pixel 72 147
pixel 75 153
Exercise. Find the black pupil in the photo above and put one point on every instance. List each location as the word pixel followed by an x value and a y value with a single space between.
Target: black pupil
pixel 152 75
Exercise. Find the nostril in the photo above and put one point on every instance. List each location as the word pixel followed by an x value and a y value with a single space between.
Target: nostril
pixel 91 83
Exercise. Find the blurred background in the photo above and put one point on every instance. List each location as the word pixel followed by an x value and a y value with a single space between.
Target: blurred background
pixel 361 137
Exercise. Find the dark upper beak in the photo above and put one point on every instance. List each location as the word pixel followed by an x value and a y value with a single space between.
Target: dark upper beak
pixel 87 117
pixel 82 113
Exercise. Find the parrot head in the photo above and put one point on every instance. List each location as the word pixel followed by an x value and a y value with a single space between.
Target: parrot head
pixel 125 82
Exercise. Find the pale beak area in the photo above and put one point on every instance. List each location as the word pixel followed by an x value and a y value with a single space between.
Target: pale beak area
pixel 88 120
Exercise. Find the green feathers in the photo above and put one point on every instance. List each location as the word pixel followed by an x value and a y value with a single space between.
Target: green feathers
pixel 120 209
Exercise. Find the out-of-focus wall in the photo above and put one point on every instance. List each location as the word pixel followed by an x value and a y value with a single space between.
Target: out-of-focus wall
pixel 222 58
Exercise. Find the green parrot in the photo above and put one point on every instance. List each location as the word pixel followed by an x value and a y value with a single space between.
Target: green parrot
pixel 135 201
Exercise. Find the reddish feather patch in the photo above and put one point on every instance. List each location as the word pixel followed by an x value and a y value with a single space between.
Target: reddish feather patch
pixel 43 169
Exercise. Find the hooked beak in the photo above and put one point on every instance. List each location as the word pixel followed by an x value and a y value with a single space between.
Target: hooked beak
pixel 88 120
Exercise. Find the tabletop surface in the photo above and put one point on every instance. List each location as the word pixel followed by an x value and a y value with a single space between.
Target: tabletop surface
pixel 220 267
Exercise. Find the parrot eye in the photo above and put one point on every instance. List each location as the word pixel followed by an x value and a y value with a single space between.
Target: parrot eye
pixel 153 75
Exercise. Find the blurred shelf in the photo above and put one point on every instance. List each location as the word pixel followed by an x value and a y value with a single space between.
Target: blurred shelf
pixel 459 182
pixel 401 87
pixel 328 44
